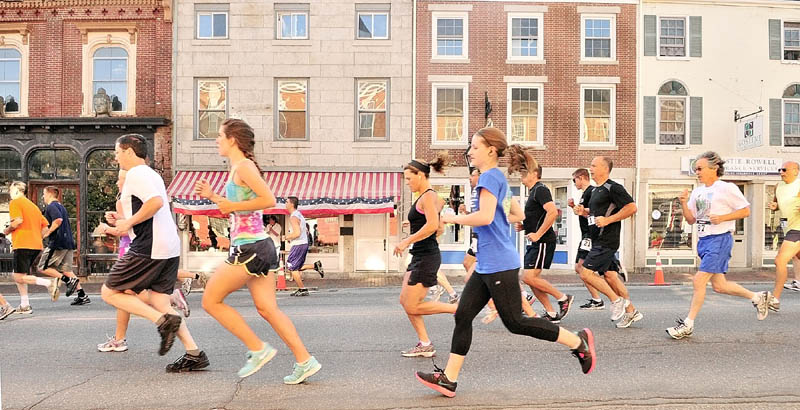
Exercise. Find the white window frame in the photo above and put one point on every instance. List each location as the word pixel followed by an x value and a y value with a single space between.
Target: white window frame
pixel 111 58
pixel 467 233
pixel 277 134
pixel 197 108
pixel 17 45
pixel 373 13
pixel 785 101
pixel 212 13
pixel 100 39
pixel 669 252
pixel 279 24
pixel 464 16
pixel 359 111
pixel 613 27
pixel 539 115
pixel 686 44
pixel 539 37
pixel 612 137
pixel 465 116
pixel 783 40
pixel 687 123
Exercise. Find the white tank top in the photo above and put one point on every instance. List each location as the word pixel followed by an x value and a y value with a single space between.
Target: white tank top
pixel 303 238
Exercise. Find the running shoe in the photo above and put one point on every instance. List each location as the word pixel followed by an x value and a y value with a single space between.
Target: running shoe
pixel 179 302
pixel 490 317
pixel 81 300
pixel 585 352
pixel 565 306
pixel 795 286
pixel 453 299
pixel 204 278
pixel 6 310
pixel 681 330
pixel 774 304
pixel 52 289
pixel 301 372
pixel 628 318
pixel 256 360
pixel 530 298
pixel 551 319
pixel 186 286
pixel 437 294
pixel 188 363
pixel 420 351
pixel 300 292
pixel 113 345
pixel 438 381
pixel 318 268
pixel 618 309
pixel 25 310
pixel 592 304
pixel 762 306
pixel 168 330
pixel 72 286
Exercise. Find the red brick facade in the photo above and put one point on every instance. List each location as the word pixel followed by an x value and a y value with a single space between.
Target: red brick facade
pixel 562 52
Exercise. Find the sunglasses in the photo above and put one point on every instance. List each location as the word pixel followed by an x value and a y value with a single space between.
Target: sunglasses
pixel 698 169
pixel 782 169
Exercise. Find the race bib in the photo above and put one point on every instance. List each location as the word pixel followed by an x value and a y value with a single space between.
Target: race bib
pixel 474 245
pixel 784 224
pixel 586 244
pixel 591 219
pixel 702 225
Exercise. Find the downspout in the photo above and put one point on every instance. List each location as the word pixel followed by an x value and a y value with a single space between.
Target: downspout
pixel 639 131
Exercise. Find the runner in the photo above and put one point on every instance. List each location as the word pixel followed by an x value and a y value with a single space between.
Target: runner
pixel 425 257
pixel 496 274
pixel 252 259
pixel 442 287
pixel 581 180
pixel 787 201
pixel 609 204
pixel 56 260
pixel 298 237
pixel 714 206
pixel 795 284
pixel 151 262
pixel 540 214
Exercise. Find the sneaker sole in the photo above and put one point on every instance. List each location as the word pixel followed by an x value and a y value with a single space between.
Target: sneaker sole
pixel 169 340
pixel 306 375
pixel 635 319
pixel 113 349
pixel 590 342
pixel 570 299
pixel 436 387
pixel 675 336
pixel 260 365
pixel 199 366
pixel 593 308
pixel 791 288
pixel 422 354
pixel 7 314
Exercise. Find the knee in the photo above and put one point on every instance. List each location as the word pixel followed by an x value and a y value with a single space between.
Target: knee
pixel 409 306
pixel 782 260
pixel 209 303
pixel 18 277
pixel 106 293
pixel 267 310
pixel 717 287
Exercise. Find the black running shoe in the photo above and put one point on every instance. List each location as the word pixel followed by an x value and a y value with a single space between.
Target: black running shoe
pixel 81 300
pixel 565 306
pixel 318 268
pixel 438 381
pixel 188 363
pixel 71 286
pixel 168 330
pixel 585 352
pixel 551 319
pixel 299 292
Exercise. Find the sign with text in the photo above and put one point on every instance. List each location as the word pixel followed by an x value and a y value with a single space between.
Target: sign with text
pixel 739 166
pixel 750 133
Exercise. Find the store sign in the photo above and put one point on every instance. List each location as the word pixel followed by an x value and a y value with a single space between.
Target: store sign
pixel 739 166
pixel 750 133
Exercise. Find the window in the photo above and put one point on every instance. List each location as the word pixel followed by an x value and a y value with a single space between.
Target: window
pixel 773 231
pixel 110 72
pixel 561 224
pixel 212 106
pixel 454 195
pixel 373 21
pixel 292 21
pixel 212 21
pixel 372 101
pixel 450 35
pixel 102 173
pixel 599 38
pixel 10 65
pixel 672 38
pixel 292 118
pixel 208 234
pixel 525 123
pixel 10 170
pixel 324 234
pixel 597 115
pixel 449 113
pixel 59 164
pixel 791 41
pixel 791 116
pixel 668 229
pixel 672 103
pixel 524 37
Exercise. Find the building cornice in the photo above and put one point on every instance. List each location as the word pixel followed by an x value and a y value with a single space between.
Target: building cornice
pixel 165 5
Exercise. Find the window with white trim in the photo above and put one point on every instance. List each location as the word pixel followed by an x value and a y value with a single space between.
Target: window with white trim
pixel 372 21
pixel 291 21
pixel 524 115
pixel 791 41
pixel 449 113
pixel 597 115
pixel 212 106
pixel 292 105
pixel 672 37
pixel 525 36
pixel 454 237
pixel 10 75
pixel 672 112
pixel 108 61
pixel 668 229
pixel 450 35
pixel 599 37
pixel 791 116
pixel 110 72
pixel 372 101
pixel 212 21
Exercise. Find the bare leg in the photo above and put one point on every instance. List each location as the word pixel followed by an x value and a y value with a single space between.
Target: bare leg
pixel 298 278
pixel 787 251
pixel 442 280
pixel 613 280
pixel 160 302
pixel 123 318
pixel 412 300
pixel 262 289
pixel 227 279
pixel 598 283
pixel 541 288
pixel 592 291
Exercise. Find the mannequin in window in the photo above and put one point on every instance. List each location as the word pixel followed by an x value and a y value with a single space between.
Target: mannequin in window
pixel 116 104
pixel 11 104
pixel 101 103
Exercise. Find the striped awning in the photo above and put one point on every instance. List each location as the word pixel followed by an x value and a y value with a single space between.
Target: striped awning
pixel 320 193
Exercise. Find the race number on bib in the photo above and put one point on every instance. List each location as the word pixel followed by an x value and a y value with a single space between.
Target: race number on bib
pixel 586 244
pixel 591 219
pixel 703 225
pixel 784 224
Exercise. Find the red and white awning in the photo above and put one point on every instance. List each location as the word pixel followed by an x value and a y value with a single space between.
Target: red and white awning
pixel 320 193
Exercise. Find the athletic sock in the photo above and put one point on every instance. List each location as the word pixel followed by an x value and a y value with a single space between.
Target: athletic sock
pixel 563 298
pixel 428 343
pixel 23 301
pixel 453 294
pixel 81 293
pixel 688 322
pixel 597 300
pixel 552 314
pixel 65 278
pixel 193 352
pixel 756 297
pixel 43 281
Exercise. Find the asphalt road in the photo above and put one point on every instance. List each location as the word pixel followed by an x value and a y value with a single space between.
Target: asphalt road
pixel 49 360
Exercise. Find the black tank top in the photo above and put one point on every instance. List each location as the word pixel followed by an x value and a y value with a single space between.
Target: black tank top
pixel 417 220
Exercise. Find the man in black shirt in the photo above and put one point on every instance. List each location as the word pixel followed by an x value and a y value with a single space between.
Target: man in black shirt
pixel 540 214
pixel 609 204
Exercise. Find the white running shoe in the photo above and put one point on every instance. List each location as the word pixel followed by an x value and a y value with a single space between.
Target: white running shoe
pixel 618 309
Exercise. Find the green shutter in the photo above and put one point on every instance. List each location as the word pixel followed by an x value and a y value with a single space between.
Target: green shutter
pixel 650 48
pixel 696 120
pixel 649 120
pixel 775 122
pixel 695 36
pixel 774 39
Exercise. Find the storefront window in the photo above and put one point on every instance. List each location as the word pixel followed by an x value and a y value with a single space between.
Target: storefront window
pixel 454 197
pixel 324 234
pixel 773 233
pixel 207 234
pixel 102 172
pixel 10 170
pixel 54 164
pixel 668 229
pixel 560 225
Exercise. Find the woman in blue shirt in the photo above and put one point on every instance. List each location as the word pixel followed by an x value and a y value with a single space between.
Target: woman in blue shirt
pixel 497 272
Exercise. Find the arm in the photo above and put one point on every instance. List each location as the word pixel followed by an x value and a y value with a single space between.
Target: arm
pixel 549 220
pixel 737 214
pixel 53 226
pixel 516 215
pixel 148 209
pixel 430 208
pixel 481 217
pixel 249 175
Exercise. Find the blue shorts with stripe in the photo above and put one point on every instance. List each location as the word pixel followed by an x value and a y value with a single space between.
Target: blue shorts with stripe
pixel 715 252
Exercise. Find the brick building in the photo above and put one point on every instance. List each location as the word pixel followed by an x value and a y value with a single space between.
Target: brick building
pixel 54 58
pixel 560 78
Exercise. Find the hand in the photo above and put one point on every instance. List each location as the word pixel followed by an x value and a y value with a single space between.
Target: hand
pixel 111 217
pixel 400 248
pixel 517 226
pixel 571 203
pixel 225 206
pixel 203 188
pixel 773 206
pixel 716 219
pixel 684 196
pixel 534 236
pixel 601 221
pixel 578 210
pixel 122 228
pixel 462 209
pixel 45 233
pixel 448 218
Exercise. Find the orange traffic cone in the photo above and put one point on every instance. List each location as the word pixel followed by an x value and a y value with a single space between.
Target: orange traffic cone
pixel 281 280
pixel 659 275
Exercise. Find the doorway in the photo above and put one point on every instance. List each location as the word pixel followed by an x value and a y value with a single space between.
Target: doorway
pixel 740 249
pixel 371 243
pixel 68 196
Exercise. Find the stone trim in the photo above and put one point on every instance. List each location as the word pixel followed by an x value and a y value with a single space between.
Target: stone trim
pixel 106 26
pixel 20 28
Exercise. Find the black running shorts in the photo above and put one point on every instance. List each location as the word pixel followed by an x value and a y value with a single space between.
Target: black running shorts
pixel 423 269
pixel 137 273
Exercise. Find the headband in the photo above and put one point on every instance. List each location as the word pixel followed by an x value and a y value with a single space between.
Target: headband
pixel 420 166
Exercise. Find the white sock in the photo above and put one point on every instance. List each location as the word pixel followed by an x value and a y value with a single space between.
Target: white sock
pixel 563 298
pixel 454 294
pixel 597 299
pixel 23 301
pixel 688 322
pixel 524 294
pixel 43 281
pixel 552 314
pixel 776 299
pixel 619 300
pixel 428 343
pixel 756 297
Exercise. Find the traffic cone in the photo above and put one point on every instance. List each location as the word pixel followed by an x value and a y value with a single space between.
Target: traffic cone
pixel 281 280
pixel 659 275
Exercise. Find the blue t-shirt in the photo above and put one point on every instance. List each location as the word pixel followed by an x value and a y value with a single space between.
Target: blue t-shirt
pixel 496 252
pixel 61 238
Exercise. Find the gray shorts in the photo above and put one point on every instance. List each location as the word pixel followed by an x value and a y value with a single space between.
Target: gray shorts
pixel 59 259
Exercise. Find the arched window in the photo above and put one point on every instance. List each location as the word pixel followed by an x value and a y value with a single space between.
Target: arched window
pixel 10 170
pixel 672 99
pixel 10 75
pixel 54 164
pixel 101 177
pixel 110 72
pixel 791 115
